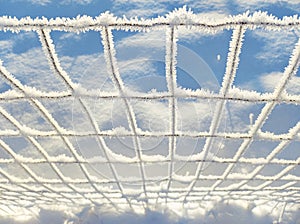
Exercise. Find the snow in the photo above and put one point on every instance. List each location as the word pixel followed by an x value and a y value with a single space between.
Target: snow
pixel 221 213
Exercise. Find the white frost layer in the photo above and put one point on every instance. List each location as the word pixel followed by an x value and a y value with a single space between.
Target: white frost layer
pixel 180 17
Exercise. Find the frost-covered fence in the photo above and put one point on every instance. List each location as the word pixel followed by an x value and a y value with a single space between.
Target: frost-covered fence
pixel 25 195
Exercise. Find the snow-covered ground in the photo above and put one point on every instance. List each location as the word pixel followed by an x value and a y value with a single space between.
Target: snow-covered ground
pixel 225 213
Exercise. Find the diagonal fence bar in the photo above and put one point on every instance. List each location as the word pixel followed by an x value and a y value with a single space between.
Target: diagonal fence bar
pixel 231 67
pixel 112 67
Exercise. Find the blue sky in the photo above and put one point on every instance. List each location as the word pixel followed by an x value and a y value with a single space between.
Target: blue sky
pixel 201 64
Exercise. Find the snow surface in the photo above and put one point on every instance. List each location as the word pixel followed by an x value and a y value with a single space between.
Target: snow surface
pixel 221 213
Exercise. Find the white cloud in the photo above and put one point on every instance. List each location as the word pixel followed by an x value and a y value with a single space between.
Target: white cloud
pixel 270 80
pixel 63 2
pixel 150 8
pixel 81 2
pixel 37 2
pixel 140 8
pixel 143 11
pixel 277 44
pixel 6 46
pixel 41 2
pixel 152 39
pixel 258 4
pixel 32 68
pixel 70 36
pixel 209 6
